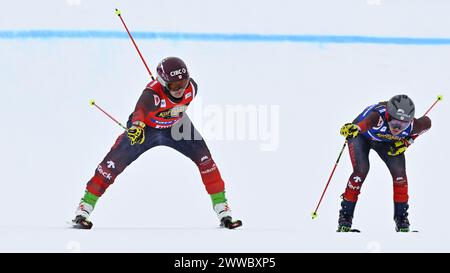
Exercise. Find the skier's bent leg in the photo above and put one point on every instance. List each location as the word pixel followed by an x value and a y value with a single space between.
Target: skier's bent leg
pixel 195 148
pixel 359 154
pixel 396 165
pixel 215 187
pixel 198 152
pixel 397 168
pixel 190 143
pixel 114 163
pixel 118 158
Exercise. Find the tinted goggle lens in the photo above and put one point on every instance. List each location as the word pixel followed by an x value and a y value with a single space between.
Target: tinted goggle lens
pixel 178 85
pixel 398 124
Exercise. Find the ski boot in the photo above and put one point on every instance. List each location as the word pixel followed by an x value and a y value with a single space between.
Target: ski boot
pixel 401 217
pixel 224 215
pixel 346 216
pixel 81 216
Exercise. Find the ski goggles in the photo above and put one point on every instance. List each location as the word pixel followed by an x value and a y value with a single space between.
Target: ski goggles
pixel 398 124
pixel 178 85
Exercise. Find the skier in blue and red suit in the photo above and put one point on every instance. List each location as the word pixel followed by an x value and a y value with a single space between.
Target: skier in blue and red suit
pixel 389 128
pixel 159 119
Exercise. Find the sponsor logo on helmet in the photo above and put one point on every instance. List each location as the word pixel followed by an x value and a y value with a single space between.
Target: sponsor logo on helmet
pixel 401 114
pixel 163 103
pixel 178 72
pixel 188 95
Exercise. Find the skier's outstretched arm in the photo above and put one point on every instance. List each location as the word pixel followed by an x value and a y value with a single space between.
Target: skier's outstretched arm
pixel 350 130
pixel 148 102
pixel 421 125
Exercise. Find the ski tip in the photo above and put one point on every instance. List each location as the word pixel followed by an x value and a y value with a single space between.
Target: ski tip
pixel 313 215
pixel 440 97
pixel 92 102
pixel 118 12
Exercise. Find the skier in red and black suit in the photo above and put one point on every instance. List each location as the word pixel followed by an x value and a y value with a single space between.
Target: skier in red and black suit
pixel 159 119
pixel 389 128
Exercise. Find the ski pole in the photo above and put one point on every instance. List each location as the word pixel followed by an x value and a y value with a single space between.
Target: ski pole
pixel 314 213
pixel 439 98
pixel 119 13
pixel 92 103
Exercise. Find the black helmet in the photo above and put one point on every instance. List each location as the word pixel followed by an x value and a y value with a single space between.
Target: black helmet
pixel 171 69
pixel 401 107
